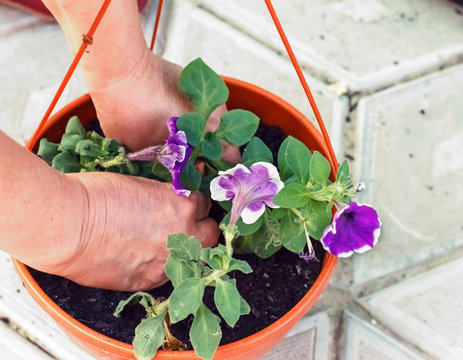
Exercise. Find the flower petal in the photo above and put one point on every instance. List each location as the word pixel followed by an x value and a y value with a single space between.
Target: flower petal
pixel 355 228
pixel 250 216
pixel 251 189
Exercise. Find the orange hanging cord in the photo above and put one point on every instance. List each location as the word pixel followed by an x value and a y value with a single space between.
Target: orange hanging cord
pixel 304 84
pixel 156 24
pixel 87 39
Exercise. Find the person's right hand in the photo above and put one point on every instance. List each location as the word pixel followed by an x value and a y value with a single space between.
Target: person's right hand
pixel 125 227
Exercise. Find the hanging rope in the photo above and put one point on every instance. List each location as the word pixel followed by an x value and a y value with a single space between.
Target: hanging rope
pixel 156 24
pixel 87 39
pixel 304 84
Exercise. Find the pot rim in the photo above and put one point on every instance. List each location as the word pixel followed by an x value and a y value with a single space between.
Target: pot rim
pixel 97 339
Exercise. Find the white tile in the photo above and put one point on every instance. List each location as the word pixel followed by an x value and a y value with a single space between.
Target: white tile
pixel 410 158
pixel 426 310
pixel 365 341
pixel 25 315
pixel 308 340
pixel 366 43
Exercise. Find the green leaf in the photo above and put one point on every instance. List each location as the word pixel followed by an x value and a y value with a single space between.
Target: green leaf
pixel 227 300
pixel 294 158
pixel 256 151
pixel 161 172
pixel 215 262
pixel 211 147
pixel 264 242
pixel 343 170
pixel 320 217
pixel 66 163
pixel 185 299
pixel 205 333
pixel 292 196
pixel 149 337
pixel 177 270
pixel 74 127
pixel 88 148
pixel 320 169
pixel 240 265
pixel 292 234
pixel 190 177
pixel 237 126
pixel 203 86
pixel 193 126
pixel 183 247
pixel 47 150
pixel 244 307
pixel 139 297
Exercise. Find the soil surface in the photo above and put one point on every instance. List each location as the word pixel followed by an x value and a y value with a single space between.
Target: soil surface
pixel 272 289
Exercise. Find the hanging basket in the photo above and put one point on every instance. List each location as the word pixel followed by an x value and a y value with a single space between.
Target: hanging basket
pixel 272 110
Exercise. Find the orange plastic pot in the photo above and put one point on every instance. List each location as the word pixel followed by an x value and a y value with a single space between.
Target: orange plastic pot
pixel 273 111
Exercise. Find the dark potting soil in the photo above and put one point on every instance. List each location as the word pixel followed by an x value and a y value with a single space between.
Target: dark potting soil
pixel 272 289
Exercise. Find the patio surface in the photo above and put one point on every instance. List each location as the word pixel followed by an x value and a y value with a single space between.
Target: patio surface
pixel 387 76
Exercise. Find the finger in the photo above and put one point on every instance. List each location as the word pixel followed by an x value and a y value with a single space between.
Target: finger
pixel 207 232
pixel 203 204
pixel 231 153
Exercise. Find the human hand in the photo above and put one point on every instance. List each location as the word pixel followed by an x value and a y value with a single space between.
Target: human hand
pixel 125 228
pixel 138 119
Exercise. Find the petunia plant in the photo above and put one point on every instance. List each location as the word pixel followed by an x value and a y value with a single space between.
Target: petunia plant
pixel 268 205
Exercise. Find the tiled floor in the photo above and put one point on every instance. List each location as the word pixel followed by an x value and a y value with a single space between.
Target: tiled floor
pixel 388 77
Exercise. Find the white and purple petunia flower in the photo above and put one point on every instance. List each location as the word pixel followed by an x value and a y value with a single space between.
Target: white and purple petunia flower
pixel 250 190
pixel 355 228
pixel 174 155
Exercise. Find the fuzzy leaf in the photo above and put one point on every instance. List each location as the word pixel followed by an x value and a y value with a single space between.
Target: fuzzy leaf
pixel 47 150
pixel 185 299
pixel 292 234
pixel 177 270
pixel 294 158
pixel 205 333
pixel 239 265
pixel 292 196
pixel 227 300
pixel 211 147
pixel 139 297
pixel 193 126
pixel 190 177
pixel 256 151
pixel 203 86
pixel 320 169
pixel 66 163
pixel 343 170
pixel 183 247
pixel 74 127
pixel 149 337
pixel 215 262
pixel 237 126
pixel 88 149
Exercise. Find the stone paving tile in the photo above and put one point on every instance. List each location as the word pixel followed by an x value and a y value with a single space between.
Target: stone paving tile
pixel 365 341
pixel 24 314
pixel 194 33
pixel 366 43
pixel 425 310
pixel 14 347
pixel 412 162
pixel 33 62
pixel 310 339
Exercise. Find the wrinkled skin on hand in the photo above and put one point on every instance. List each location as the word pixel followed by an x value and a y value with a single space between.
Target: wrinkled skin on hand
pixel 125 227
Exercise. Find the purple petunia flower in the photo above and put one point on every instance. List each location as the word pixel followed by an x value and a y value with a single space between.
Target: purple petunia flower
pixel 250 190
pixel 174 155
pixel 355 227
